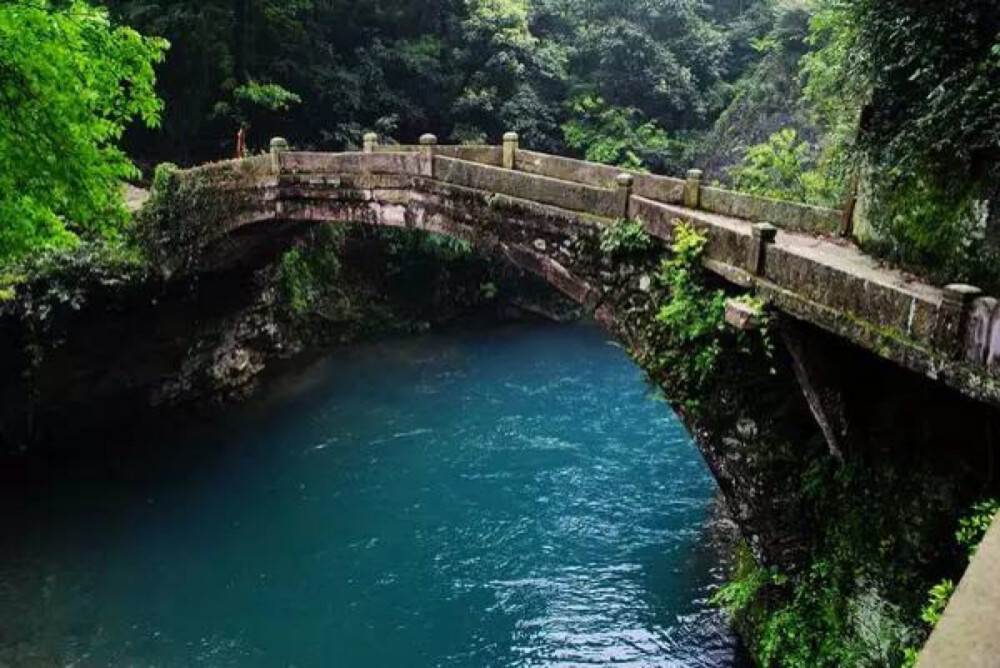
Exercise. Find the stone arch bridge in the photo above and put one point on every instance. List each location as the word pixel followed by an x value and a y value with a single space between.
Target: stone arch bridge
pixel 541 212
pixel 538 209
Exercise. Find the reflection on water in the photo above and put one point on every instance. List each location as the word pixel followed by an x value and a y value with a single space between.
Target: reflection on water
pixel 512 498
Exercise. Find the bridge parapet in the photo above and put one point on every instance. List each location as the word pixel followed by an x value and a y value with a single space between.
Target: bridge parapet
pixel 791 216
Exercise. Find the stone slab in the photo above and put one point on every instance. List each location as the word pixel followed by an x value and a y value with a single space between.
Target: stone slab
pixel 968 635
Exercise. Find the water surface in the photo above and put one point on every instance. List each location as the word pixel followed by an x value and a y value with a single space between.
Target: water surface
pixel 511 498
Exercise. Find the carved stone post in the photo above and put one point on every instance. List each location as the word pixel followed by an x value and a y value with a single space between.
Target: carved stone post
pixel 762 235
pixel 692 189
pixel 370 142
pixel 510 141
pixel 428 142
pixel 624 193
pixel 953 320
pixel 279 145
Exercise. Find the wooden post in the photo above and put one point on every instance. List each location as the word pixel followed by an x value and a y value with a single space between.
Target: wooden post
pixel 428 142
pixel 692 189
pixel 510 142
pixel 624 182
pixel 279 145
pixel 370 142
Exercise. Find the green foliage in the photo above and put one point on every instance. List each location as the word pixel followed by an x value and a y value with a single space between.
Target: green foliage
pixel 971 529
pixel 768 95
pixel 684 339
pixel 186 210
pixel 786 168
pixel 467 70
pixel 746 581
pixel 937 601
pixel 625 237
pixel 613 135
pixel 878 538
pixel 41 287
pixel 254 96
pixel 309 274
pixel 266 95
pixel 974 526
pixel 70 82
pixel 914 92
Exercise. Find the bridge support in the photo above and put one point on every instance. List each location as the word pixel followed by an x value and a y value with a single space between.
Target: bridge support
pixel 966 636
pixel 818 376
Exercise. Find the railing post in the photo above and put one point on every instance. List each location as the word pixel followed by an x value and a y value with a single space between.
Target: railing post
pixel 956 311
pixel 510 141
pixel 370 142
pixel 692 189
pixel 624 182
pixel 428 142
pixel 279 145
pixel 762 235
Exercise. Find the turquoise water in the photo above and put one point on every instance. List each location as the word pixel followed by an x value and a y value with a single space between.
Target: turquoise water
pixel 509 498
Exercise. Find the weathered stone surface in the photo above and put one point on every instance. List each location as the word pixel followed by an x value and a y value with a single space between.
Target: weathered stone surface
pixel 692 189
pixel 830 285
pixel 982 319
pixel 659 188
pixel 790 216
pixel 352 163
pixel 564 194
pixel 486 155
pixel 742 316
pixel 968 635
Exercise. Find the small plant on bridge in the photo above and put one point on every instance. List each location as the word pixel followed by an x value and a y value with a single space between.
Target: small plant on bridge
pixel 625 237
pixel 683 339
pixel 309 274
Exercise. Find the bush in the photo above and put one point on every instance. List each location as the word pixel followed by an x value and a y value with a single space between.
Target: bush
pixel 70 84
pixel 786 168
pixel 625 238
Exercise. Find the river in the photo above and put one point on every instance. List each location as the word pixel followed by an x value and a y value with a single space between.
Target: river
pixel 515 497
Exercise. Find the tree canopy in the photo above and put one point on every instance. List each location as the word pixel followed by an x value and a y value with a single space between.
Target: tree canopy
pixel 463 69
pixel 70 83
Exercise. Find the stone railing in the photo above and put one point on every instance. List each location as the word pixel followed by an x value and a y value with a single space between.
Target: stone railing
pixel 690 192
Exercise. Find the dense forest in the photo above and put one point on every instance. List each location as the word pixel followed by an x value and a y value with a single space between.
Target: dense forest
pixel 811 100
pixel 887 106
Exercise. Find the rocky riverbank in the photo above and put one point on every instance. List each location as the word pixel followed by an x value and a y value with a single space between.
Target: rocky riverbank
pixel 96 338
